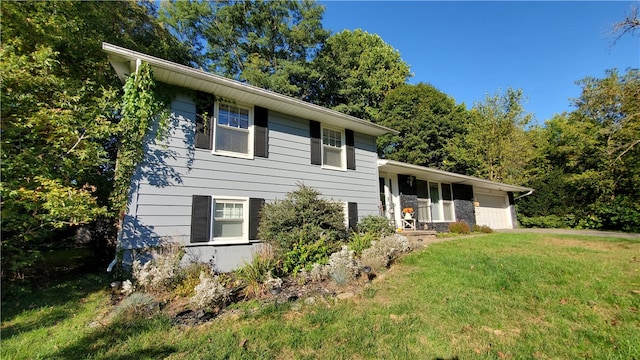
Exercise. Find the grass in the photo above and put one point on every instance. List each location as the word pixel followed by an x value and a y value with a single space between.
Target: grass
pixel 519 296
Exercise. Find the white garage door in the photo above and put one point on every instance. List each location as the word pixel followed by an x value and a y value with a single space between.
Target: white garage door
pixel 493 211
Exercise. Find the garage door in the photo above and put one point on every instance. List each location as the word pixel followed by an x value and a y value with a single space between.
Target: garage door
pixel 493 211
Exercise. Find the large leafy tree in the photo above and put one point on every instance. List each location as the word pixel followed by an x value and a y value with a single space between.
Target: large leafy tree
pixel 593 154
pixel 60 115
pixel 358 70
pixel 426 118
pixel 495 145
pixel 265 43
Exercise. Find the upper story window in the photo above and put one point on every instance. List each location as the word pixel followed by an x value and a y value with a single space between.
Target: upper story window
pixel 233 130
pixel 333 152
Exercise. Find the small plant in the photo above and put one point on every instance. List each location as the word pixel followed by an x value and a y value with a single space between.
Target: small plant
pixel 360 241
pixel 272 282
pixel 210 293
pixel 459 227
pixel 377 225
pixel 343 266
pixel 383 252
pixel 483 229
pixel 190 278
pixel 303 256
pixel 254 273
pixel 161 272
pixel 136 306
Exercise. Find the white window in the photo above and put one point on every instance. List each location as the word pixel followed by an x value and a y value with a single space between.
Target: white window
pixel 435 202
pixel 333 151
pixel 230 220
pixel 233 130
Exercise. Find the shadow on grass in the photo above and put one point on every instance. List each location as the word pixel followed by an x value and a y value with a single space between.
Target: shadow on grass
pixel 121 338
pixel 57 301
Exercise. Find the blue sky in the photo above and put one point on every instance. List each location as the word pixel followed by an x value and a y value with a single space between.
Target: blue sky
pixel 470 49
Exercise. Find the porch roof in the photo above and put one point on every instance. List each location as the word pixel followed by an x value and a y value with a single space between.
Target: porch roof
pixel 397 167
pixel 124 62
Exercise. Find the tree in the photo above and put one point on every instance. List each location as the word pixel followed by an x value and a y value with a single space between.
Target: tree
pixel 495 145
pixel 60 115
pixel 357 70
pixel 629 25
pixel 265 43
pixel 593 154
pixel 426 118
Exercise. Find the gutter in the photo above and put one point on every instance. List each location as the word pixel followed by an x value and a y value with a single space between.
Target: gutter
pixel 523 195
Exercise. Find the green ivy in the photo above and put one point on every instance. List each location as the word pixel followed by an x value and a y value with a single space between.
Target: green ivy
pixel 142 103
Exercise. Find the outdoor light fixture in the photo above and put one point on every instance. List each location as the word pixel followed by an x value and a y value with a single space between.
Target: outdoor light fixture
pixel 367 271
pixel 410 180
pixel 275 291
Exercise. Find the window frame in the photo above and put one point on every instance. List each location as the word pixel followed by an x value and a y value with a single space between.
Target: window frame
pixel 244 238
pixel 343 148
pixel 250 130
pixel 439 204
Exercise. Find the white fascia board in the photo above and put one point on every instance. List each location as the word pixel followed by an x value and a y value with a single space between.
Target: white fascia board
pixel 184 76
pixel 397 167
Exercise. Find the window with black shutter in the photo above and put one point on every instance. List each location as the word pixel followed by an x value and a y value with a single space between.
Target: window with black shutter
pixel 200 218
pixel 261 132
pixel 204 122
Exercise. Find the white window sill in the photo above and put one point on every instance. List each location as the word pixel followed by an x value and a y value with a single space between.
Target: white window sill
pixel 328 167
pixel 232 154
pixel 220 242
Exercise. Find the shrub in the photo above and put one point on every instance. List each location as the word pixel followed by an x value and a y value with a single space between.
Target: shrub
pixel 189 279
pixel 136 306
pixel 210 292
pixel 301 218
pixel 256 272
pixel 459 227
pixel 303 256
pixel 342 266
pixel 378 225
pixel 361 241
pixel 161 272
pixel 483 229
pixel 545 222
pixel 383 252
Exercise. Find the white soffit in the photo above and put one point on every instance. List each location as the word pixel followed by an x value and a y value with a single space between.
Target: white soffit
pixel 123 61
pixel 435 175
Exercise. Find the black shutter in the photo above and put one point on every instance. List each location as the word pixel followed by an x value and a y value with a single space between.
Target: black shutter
pixel 261 140
pixel 316 143
pixel 204 123
pixel 351 152
pixel 352 209
pixel 255 205
pixel 200 218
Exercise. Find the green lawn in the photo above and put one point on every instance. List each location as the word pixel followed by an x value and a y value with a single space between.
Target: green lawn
pixel 518 296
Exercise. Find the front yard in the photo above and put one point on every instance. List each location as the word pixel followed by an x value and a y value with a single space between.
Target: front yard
pixel 486 296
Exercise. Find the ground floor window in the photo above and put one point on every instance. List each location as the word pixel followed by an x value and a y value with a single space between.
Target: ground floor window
pixel 228 220
pixel 435 201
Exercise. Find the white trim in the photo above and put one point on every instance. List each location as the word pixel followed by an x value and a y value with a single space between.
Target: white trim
pixel 244 239
pixel 250 131
pixel 343 148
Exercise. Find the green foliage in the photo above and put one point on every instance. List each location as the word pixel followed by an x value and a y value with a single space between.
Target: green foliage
pixel 358 70
pixel 266 43
pixel 546 222
pixel 304 255
pixel 459 227
pixel 135 306
pixel 254 273
pixel 301 218
pixel 361 241
pixel 483 229
pixel 495 145
pixel 60 109
pixel 189 278
pixel 376 225
pixel 426 118
pixel 140 107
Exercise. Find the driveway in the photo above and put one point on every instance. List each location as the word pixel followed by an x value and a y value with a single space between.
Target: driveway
pixel 574 232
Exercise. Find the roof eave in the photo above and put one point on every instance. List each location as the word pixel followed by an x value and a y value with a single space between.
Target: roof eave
pixel 123 61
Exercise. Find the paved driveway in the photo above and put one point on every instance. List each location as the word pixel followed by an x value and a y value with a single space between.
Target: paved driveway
pixel 575 232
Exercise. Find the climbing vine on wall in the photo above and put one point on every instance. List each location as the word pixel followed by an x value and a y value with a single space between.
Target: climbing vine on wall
pixel 142 104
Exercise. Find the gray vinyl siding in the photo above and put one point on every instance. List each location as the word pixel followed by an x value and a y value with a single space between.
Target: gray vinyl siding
pixel 174 170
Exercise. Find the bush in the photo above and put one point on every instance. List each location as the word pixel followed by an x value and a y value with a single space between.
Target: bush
pixel 256 272
pixel 301 218
pixel 360 241
pixel 189 279
pixel 161 272
pixel 136 306
pixel 210 292
pixel 459 227
pixel 483 229
pixel 302 256
pixel 382 253
pixel 378 225
pixel 546 222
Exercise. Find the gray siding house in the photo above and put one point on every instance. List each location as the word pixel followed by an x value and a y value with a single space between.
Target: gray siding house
pixel 231 147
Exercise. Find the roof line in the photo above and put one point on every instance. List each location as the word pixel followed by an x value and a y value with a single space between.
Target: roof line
pixel 186 70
